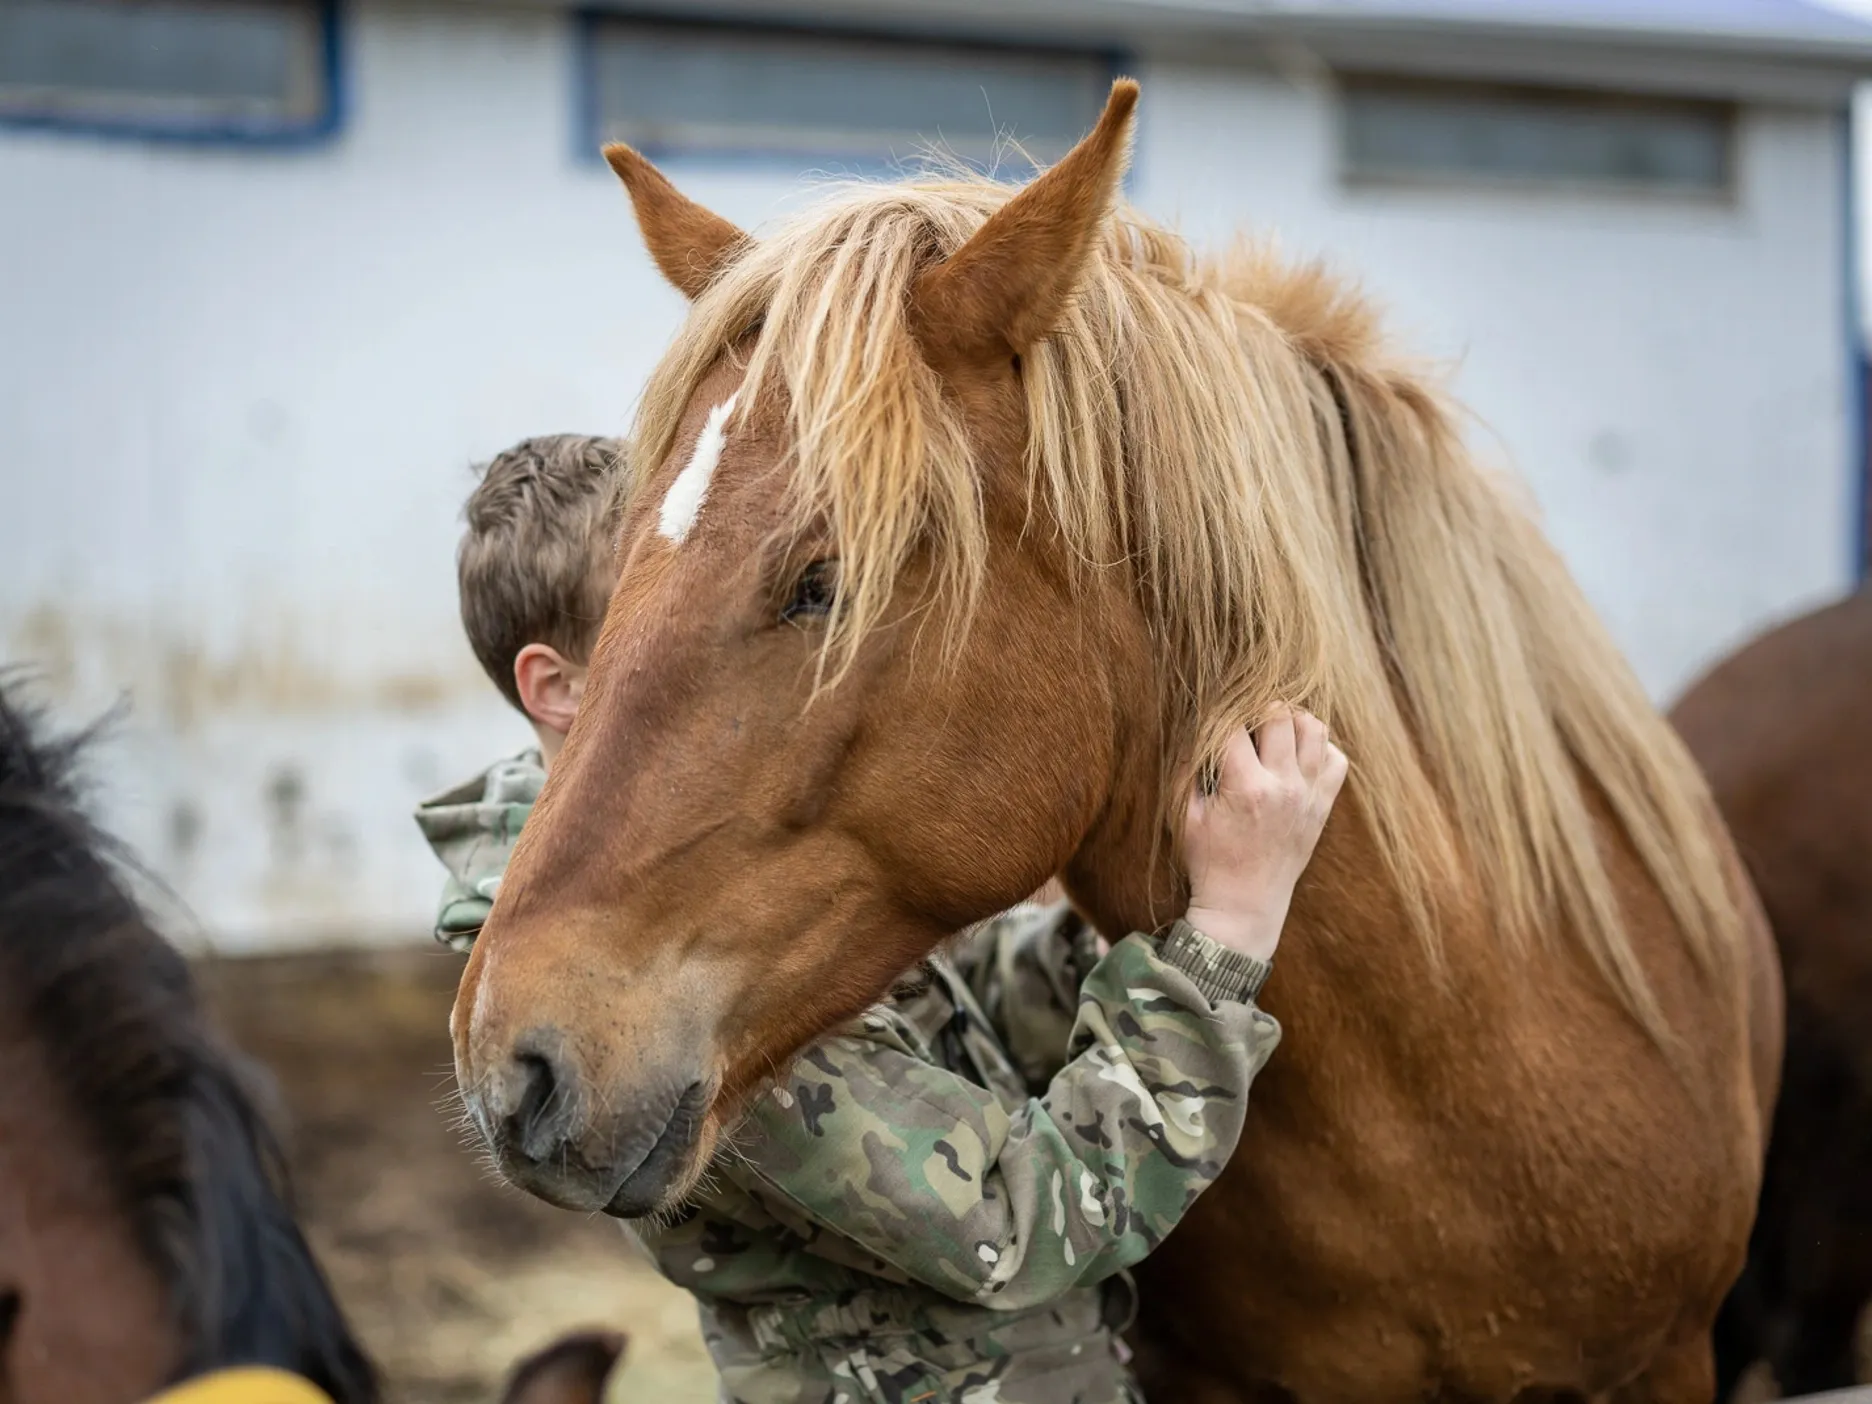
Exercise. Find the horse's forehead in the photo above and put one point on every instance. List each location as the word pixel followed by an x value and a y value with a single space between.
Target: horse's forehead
pixel 713 490
pixel 689 490
pixel 686 484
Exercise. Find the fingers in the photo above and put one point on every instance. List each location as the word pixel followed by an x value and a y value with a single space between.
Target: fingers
pixel 1276 741
pixel 1240 767
pixel 1332 774
pixel 1231 773
pixel 1290 743
pixel 1309 743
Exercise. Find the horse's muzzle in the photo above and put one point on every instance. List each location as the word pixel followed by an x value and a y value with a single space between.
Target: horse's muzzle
pixel 650 1184
pixel 579 1147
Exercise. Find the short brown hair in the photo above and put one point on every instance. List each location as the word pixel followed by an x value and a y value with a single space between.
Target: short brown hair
pixel 535 565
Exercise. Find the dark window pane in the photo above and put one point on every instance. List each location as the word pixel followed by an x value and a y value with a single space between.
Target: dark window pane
pixel 187 60
pixel 1436 130
pixel 863 100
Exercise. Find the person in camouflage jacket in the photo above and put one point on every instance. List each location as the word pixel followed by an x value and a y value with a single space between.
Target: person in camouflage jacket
pixel 534 572
pixel 939 1202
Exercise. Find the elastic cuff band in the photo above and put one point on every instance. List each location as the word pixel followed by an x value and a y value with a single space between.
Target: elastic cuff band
pixel 1220 973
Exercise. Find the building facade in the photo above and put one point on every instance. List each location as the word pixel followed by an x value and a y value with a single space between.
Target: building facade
pixel 272 290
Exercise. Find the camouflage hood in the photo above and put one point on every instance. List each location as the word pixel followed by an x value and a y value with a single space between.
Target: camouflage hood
pixel 473 828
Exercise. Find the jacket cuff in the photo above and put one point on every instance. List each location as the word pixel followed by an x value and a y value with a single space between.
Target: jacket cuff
pixel 460 921
pixel 1221 974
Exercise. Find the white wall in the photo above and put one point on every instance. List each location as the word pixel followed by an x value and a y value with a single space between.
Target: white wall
pixel 239 390
pixel 239 394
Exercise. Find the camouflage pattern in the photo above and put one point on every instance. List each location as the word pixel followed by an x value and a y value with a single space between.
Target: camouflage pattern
pixel 938 1203
pixel 473 828
pixel 1025 973
pixel 901 1219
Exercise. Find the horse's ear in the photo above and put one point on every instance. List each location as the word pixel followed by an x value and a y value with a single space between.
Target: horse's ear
pixel 572 1370
pixel 1008 285
pixel 690 244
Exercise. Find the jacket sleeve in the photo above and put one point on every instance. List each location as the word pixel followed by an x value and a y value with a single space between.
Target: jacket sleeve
pixel 460 915
pixel 1025 968
pixel 473 828
pixel 1010 1209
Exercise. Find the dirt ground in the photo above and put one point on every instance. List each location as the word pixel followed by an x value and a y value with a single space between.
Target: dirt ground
pixel 448 1275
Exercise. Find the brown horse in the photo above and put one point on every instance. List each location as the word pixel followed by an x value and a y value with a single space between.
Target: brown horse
pixel 1784 731
pixel 969 522
pixel 146 1236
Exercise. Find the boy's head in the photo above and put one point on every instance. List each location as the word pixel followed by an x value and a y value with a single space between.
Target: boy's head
pixel 536 569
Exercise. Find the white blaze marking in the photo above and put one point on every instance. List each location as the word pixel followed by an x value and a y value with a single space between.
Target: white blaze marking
pixel 683 503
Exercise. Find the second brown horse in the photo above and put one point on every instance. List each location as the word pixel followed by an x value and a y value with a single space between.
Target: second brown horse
pixel 1783 728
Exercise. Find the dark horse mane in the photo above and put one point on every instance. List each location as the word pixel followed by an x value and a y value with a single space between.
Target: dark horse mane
pixel 166 1105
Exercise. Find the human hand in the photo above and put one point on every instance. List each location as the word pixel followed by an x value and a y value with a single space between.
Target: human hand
pixel 1246 845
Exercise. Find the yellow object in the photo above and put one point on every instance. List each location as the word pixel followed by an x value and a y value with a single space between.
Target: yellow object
pixel 247 1384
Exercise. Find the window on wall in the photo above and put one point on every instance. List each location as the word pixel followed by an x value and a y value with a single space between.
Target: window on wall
pixel 1407 130
pixel 836 100
pixel 230 68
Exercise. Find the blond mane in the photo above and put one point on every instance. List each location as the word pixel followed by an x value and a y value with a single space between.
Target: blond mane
pixel 1301 521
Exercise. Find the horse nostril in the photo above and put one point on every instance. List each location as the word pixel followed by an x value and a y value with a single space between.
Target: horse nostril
pixel 534 1127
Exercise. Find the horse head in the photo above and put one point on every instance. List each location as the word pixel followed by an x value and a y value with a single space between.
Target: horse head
pixel 966 522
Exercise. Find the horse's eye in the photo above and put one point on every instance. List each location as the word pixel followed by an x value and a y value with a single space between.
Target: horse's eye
pixel 813 593
pixel 9 1315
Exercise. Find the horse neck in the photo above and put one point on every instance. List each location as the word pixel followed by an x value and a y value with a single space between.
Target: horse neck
pixel 94 1320
pixel 1125 876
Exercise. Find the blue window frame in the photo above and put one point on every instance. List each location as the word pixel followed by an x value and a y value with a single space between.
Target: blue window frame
pixel 193 70
pixel 832 99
